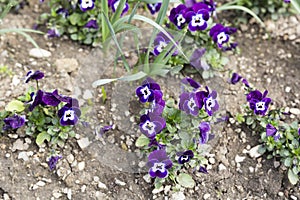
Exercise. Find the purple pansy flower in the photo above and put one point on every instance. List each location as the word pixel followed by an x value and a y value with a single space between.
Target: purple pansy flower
pixel 153 7
pixel 53 161
pixel 299 131
pixel 188 103
pixel 158 105
pixel 86 5
pixel 36 100
pixel 246 83
pixel 287 1
pixel 50 98
pixel 272 131
pixel 148 90
pixel 198 17
pixel 258 102
pixel 53 33
pixel 33 75
pixel 159 163
pixel 204 128
pixel 177 16
pixel 203 170
pixel 69 115
pixel 62 11
pixel 211 103
pixel 235 78
pixel 161 41
pixel 185 156
pixel 191 82
pixel 114 6
pixel 151 124
pixel 220 34
pixel 189 3
pixel 14 122
pixel 91 24
pixel 196 60
pixel 211 5
pixel 103 130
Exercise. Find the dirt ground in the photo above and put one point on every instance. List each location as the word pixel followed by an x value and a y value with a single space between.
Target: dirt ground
pixel 111 167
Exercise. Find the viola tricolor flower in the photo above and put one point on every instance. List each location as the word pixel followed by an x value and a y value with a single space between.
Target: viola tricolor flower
pixel 189 3
pixel 114 6
pixel 161 41
pixel 86 5
pixel 36 100
pixel 299 131
pixel 188 103
pixel 203 170
pixel 153 7
pixel 185 156
pixel 287 1
pixel 221 34
pixel 191 82
pixel 197 62
pixel 235 78
pixel 272 131
pixel 158 105
pixel 69 115
pixel 53 161
pixel 204 128
pixel 50 98
pixel 258 102
pixel 14 122
pixel 159 163
pixel 177 16
pixel 53 33
pixel 211 5
pixel 198 17
pixel 62 11
pixel 211 103
pixel 151 124
pixel 37 75
pixel 91 24
pixel 148 90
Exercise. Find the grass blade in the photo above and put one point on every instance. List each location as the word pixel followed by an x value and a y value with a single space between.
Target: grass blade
pixel 105 31
pixel 247 10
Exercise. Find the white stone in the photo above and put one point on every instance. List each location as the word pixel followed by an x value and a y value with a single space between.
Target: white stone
pixel 221 167
pixel 19 145
pixel 251 169
pixel 83 188
pixel 295 111
pixel 177 196
pixel 40 183
pixel 288 89
pixel 15 80
pixel 24 155
pixel 206 196
pixel 70 158
pixel 239 159
pixel 102 185
pixel 83 142
pixel 157 190
pixel 39 53
pixel 6 196
pixel 212 160
pixel 253 152
pixel 119 182
pixel 147 178
pixel 280 194
pixel 57 195
pixel 81 166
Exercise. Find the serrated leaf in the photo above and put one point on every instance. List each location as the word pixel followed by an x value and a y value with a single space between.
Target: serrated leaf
pixel 41 137
pixel 15 106
pixel 142 141
pixel 293 178
pixel 185 180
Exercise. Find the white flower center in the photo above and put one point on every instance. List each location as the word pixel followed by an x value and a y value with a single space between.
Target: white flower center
pixel 146 92
pixel 161 46
pixel 198 20
pixel 260 105
pixel 222 37
pixel 180 20
pixel 191 104
pixel 159 167
pixel 210 102
pixel 152 6
pixel 184 158
pixel 149 127
pixel 69 115
pixel 87 4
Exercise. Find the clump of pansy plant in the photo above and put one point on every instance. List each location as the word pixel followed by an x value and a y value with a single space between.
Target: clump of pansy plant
pixel 176 136
pixel 279 139
pixel 45 115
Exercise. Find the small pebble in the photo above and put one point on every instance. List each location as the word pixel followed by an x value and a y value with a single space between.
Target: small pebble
pixel 212 160
pixel 81 166
pixel 206 196
pixel 295 111
pixel 288 89
pixel 239 159
pixel 119 182
pixel 221 167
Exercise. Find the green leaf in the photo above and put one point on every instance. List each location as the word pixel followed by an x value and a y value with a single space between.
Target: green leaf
pixel 249 121
pixel 74 18
pixel 41 137
pixel 185 180
pixel 15 106
pixel 293 178
pixel 142 141
pixel 133 77
pixel 171 129
pixel 103 82
pixel 288 162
